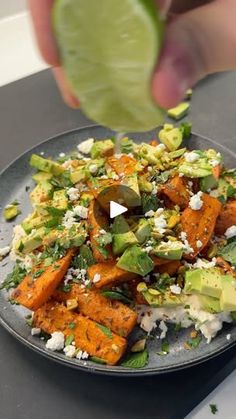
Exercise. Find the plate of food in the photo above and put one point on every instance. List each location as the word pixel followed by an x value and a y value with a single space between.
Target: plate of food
pixel 148 291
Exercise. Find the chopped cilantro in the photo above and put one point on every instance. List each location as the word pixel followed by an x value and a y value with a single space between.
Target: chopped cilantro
pixel 214 408
pixel 149 202
pixel 69 340
pixel 194 342
pixel 105 330
pixel 65 287
pixel 14 278
pixel 104 239
pixel 38 273
pixel 165 349
pixel 72 325
pixel 115 295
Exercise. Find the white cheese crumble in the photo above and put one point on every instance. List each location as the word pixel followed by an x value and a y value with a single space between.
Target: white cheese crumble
pixel 198 244
pixel 96 278
pixel 228 337
pixel 4 251
pixel 85 146
pixel 187 248
pixel 62 155
pixel 149 213
pixel 200 263
pixel 163 328
pixel 56 342
pixel 214 162
pixel 93 168
pixel 160 224
pixel 81 211
pixel 230 232
pixel 82 355
pixel 196 202
pixel 35 331
pixel 73 194
pixel 175 289
pixel 191 157
pixel 160 147
pixel 70 351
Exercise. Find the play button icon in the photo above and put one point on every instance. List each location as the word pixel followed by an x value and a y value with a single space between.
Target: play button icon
pixel 116 209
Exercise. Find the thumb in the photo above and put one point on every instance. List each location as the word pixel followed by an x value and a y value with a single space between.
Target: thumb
pixel 197 43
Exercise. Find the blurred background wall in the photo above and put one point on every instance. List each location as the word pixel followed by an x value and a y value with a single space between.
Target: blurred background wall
pixel 9 7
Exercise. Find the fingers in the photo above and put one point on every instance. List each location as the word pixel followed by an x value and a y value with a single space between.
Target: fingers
pixel 41 15
pixel 197 43
pixel 65 88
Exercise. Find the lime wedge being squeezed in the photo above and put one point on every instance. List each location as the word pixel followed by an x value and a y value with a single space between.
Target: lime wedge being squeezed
pixel 109 49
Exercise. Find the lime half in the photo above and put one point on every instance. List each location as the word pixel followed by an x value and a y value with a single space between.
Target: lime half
pixel 109 49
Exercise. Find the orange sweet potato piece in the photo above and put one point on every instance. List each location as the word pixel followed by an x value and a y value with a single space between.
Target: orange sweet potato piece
pixel 97 220
pixel 200 224
pixel 169 268
pixel 54 317
pixel 125 165
pixel 113 314
pixel 216 171
pixel 226 219
pixel 153 142
pixel 34 293
pixel 176 191
pixel 109 273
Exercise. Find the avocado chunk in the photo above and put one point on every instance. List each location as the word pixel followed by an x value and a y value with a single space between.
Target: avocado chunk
pixel 46 165
pixel 60 200
pixel 34 221
pixel 158 299
pixel 29 243
pixel 73 237
pixel 122 241
pixel 131 199
pixel 228 296
pixel 179 111
pixel 224 189
pixel 169 250
pixel 171 138
pixel 134 259
pixel 120 225
pixel 143 232
pixel 203 281
pixel 11 211
pixel 144 184
pixel 79 175
pixel 102 148
pixel 210 304
pixel 194 170
pixel 41 193
pixel 208 182
pixel 41 176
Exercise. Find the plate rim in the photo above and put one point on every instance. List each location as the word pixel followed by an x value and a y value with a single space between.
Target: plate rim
pixel 93 367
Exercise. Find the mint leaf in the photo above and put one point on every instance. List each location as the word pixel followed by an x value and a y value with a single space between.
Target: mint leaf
pixel 107 332
pixel 136 360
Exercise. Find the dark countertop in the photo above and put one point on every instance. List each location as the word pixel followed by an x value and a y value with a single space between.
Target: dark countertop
pixel 33 387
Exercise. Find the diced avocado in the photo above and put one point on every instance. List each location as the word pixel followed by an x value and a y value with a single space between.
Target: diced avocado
pixel 162 300
pixel 28 243
pixel 34 221
pixel 210 304
pixel 79 175
pixel 208 182
pixel 120 225
pixel 122 241
pixel 41 193
pixel 194 170
pixel 177 153
pixel 149 153
pixel 224 189
pixel 228 296
pixel 73 237
pixel 60 200
pixel 46 165
pixel 172 250
pixel 134 259
pixel 94 165
pixel 40 176
pixel 172 139
pixel 102 148
pixel 132 199
pixel 144 184
pixel 11 211
pixel 203 281
pixel 179 111
pixel 143 232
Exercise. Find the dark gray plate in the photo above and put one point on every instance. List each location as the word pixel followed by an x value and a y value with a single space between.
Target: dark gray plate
pixel 13 183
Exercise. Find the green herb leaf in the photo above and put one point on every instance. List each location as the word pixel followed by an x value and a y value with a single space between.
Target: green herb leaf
pixel 38 273
pixel 97 360
pixel 65 287
pixel 229 252
pixel 149 202
pixel 104 239
pixel 214 408
pixel 21 247
pixel 165 349
pixel 71 325
pixel 136 360
pixel 105 330
pixel 115 295
pixel 186 129
pixel 194 342
pixel 178 327
pixel 104 252
pixel 69 340
pixel 14 278
pixel 87 254
pixel 55 212
pixel 162 177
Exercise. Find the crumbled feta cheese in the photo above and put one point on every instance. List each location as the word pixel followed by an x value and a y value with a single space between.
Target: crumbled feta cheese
pixel 187 248
pixel 102 231
pixel 62 155
pixel 82 355
pixel 27 262
pixel 96 278
pixel 70 351
pixel 191 157
pixel 196 202
pixel 214 162
pixel 93 168
pixel 181 174
pixel 160 147
pixel 159 211
pixel 198 244
pixel 228 337
pixel 85 146
pixel 160 224
pixel 73 194
pixel 81 211
pixel 114 176
pixel 200 263
pixel 68 219
pixel 4 251
pixel 183 235
pixel 35 331
pixel 149 213
pixel 56 342
pixel 163 328
pixel 154 190
pixel 230 232
pixel 42 153
pixel 148 249
pixel 175 289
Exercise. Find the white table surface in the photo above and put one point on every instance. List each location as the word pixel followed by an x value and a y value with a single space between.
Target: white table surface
pixel 20 58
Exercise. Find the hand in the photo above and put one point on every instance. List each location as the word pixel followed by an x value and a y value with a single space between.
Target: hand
pixel 200 39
